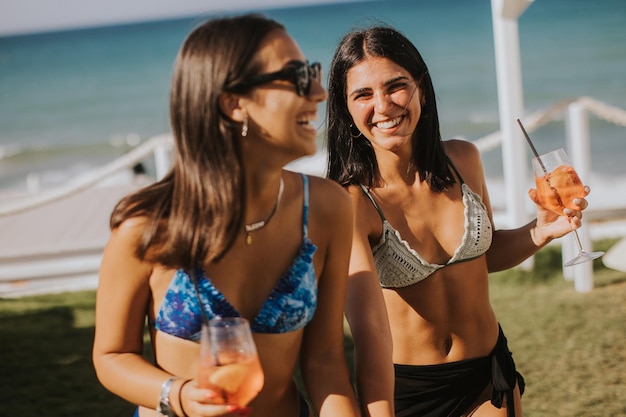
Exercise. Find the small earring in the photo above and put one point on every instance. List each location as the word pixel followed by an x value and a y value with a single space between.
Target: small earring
pixel 352 135
pixel 244 127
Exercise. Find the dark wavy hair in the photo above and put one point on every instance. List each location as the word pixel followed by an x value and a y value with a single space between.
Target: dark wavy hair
pixel 352 160
pixel 196 211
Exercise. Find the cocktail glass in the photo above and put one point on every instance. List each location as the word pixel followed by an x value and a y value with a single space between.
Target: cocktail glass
pixel 229 363
pixel 558 185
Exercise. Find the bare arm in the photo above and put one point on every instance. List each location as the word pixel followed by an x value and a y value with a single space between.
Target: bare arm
pixel 367 316
pixel 511 247
pixel 121 304
pixel 123 297
pixel 323 362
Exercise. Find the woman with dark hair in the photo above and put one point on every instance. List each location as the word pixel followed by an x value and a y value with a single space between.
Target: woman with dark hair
pixel 427 341
pixel 255 240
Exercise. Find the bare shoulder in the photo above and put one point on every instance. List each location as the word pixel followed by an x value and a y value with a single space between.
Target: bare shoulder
pixel 126 237
pixel 121 269
pixel 130 228
pixel 327 193
pixel 465 156
pixel 462 150
pixel 357 196
pixel 330 211
pixel 366 216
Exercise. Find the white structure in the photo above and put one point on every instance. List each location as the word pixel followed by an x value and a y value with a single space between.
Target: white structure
pixel 511 104
pixel 505 14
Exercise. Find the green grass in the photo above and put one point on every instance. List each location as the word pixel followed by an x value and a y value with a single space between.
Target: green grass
pixel 45 359
pixel 570 347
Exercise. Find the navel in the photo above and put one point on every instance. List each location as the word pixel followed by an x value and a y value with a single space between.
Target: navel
pixel 447 345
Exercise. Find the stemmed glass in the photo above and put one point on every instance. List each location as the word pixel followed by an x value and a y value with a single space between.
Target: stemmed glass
pixel 229 363
pixel 558 185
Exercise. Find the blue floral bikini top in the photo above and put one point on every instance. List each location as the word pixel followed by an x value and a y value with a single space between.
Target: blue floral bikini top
pixel 290 305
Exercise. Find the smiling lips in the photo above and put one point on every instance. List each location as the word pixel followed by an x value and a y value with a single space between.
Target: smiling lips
pixel 306 119
pixel 388 124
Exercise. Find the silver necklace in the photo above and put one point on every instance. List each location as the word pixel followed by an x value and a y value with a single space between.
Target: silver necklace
pixel 261 224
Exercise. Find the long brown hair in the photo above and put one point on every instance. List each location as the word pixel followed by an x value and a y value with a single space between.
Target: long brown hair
pixel 196 211
pixel 351 160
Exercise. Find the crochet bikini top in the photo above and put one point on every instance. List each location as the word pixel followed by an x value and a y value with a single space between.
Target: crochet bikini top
pixel 398 265
pixel 290 305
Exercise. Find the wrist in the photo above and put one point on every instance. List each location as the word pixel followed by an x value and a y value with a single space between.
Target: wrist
pixel 538 238
pixel 180 398
pixel 164 407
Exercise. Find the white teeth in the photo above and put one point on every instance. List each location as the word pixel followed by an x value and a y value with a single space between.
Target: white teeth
pixel 389 123
pixel 305 120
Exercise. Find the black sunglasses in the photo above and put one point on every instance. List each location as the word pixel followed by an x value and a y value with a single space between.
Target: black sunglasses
pixel 297 72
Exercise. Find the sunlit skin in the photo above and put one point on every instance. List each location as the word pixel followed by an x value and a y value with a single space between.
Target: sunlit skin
pixel 448 316
pixel 377 103
pixel 293 135
pixel 279 132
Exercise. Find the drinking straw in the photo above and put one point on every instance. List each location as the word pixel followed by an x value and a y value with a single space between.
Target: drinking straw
pixel 532 147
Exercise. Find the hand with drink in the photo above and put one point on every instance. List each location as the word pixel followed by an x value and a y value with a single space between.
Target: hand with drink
pixel 558 186
pixel 229 364
pixel 560 190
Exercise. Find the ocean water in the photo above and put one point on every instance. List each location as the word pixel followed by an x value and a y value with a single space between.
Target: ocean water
pixel 74 100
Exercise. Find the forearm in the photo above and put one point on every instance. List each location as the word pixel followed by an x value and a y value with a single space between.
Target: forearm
pixel 373 347
pixel 509 248
pixel 374 375
pixel 132 377
pixel 373 360
pixel 375 382
pixel 328 386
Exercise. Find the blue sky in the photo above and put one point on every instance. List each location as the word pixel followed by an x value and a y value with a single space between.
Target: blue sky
pixel 27 16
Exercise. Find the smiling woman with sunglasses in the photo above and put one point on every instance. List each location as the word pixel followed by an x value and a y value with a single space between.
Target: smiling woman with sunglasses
pixel 229 232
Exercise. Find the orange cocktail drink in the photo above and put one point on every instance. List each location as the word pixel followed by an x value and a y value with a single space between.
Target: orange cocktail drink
pixel 238 377
pixel 229 363
pixel 557 189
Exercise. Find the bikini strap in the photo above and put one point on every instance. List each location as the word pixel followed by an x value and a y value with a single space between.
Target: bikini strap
pixel 305 206
pixel 369 195
pixel 458 174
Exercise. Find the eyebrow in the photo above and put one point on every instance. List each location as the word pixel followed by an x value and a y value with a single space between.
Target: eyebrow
pixel 385 84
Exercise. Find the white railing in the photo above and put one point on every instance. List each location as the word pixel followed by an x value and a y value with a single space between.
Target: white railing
pixel 575 111
pixel 577 143
pixel 539 118
pixel 157 147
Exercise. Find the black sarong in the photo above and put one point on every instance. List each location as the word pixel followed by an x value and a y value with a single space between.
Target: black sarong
pixel 449 389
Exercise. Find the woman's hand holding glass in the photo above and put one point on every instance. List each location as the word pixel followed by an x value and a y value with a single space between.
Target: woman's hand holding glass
pixel 229 366
pixel 562 195
pixel 207 403
pixel 552 225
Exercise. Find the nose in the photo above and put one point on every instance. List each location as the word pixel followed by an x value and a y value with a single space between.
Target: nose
pixel 382 101
pixel 318 92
